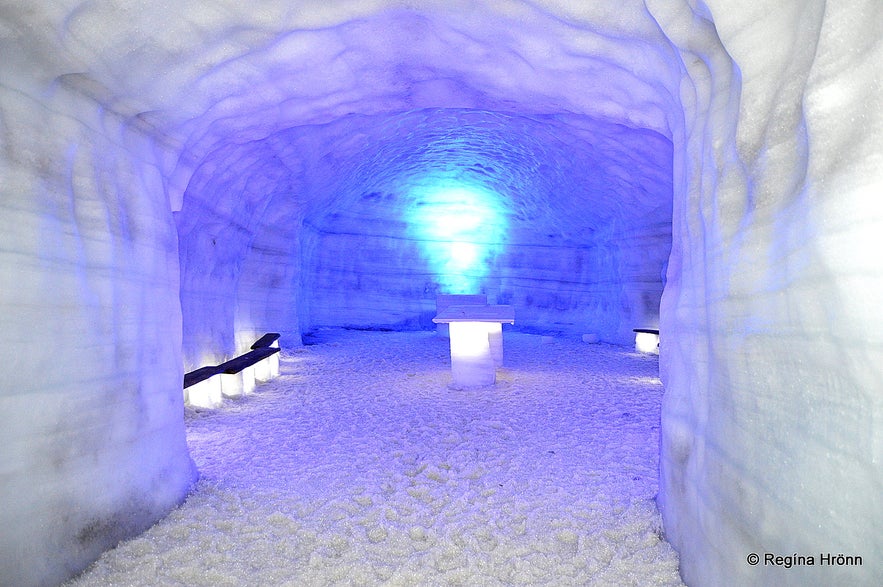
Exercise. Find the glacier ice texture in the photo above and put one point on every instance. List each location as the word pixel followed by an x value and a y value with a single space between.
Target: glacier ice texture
pixel 178 179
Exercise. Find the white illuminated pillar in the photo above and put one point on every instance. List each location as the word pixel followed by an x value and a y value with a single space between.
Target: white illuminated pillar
pixel 268 368
pixel 495 339
pixel 205 394
pixel 274 366
pixel 472 364
pixel 476 342
pixel 646 340
pixel 238 384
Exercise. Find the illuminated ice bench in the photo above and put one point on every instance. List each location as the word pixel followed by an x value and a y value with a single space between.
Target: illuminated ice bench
pixel 207 386
pixel 646 340
pixel 476 342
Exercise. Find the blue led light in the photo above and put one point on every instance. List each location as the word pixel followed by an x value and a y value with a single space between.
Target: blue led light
pixel 460 229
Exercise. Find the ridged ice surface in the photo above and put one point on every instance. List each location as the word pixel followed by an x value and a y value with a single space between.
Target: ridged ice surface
pixel 358 466
pixel 242 147
pixel 771 331
pixel 92 441
pixel 579 241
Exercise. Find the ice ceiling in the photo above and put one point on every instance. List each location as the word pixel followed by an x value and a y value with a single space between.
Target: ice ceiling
pixel 348 129
pixel 179 176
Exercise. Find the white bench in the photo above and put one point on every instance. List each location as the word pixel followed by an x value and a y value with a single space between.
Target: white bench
pixel 476 342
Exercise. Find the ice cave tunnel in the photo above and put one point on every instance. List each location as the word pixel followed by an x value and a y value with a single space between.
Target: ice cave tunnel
pixel 179 177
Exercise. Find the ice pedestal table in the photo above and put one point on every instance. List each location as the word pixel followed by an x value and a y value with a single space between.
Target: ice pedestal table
pixel 443 301
pixel 476 342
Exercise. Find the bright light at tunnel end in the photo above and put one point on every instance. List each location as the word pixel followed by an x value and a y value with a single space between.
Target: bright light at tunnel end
pixel 460 228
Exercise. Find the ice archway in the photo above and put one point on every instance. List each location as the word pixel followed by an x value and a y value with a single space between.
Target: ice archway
pixel 179 176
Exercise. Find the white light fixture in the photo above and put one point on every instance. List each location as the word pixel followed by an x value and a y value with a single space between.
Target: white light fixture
pixel 238 384
pixel 205 394
pixel 471 362
pixel 647 340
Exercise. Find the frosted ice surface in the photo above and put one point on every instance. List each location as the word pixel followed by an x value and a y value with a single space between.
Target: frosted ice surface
pixel 771 323
pixel 359 466
pixel 93 446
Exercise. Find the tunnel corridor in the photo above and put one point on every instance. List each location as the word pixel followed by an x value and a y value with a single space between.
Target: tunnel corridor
pixel 179 178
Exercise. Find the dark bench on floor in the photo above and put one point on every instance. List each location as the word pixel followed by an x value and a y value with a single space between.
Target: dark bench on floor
pixel 241 362
pixel 261 349
pixel 206 387
pixel 267 340
pixel 199 375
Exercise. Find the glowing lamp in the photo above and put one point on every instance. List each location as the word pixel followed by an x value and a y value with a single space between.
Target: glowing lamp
pixel 267 369
pixel 238 384
pixel 476 342
pixel 205 394
pixel 646 340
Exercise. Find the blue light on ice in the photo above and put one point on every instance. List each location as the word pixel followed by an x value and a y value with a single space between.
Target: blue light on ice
pixel 460 229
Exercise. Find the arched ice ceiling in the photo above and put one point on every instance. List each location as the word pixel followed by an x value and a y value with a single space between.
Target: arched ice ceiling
pixel 266 115
pixel 205 76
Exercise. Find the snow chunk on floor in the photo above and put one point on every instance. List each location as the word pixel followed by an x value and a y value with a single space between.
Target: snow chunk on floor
pixel 358 466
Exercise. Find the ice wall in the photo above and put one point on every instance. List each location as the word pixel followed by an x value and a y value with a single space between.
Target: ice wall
pixel 771 315
pixel 239 251
pixel 92 438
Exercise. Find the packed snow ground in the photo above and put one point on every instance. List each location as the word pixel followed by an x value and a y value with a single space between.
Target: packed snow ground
pixel 358 466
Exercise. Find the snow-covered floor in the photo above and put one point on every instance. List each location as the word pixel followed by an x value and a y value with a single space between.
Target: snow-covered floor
pixel 358 466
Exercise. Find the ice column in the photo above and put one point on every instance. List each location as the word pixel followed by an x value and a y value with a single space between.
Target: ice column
pixel 771 348
pixel 92 437
pixel 472 364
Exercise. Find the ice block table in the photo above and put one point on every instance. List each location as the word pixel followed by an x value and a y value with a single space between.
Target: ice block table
pixel 443 301
pixel 476 342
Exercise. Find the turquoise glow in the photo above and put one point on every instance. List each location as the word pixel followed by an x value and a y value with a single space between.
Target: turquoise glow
pixel 460 229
